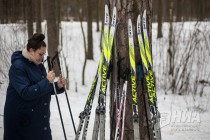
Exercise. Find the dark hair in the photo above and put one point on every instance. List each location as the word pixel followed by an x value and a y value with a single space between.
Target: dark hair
pixel 36 41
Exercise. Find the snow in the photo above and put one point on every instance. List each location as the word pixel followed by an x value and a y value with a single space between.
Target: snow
pixel 182 117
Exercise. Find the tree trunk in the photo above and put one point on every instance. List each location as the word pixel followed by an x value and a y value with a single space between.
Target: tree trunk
pixel 79 12
pixel 16 10
pixel 24 10
pixel 30 16
pixel 160 15
pixel 38 16
pixel 52 32
pixel 130 9
pixel 12 12
pixel 97 15
pixel 171 48
pixel 1 12
pixel 179 3
pixel 58 15
pixel 4 11
pixel 90 36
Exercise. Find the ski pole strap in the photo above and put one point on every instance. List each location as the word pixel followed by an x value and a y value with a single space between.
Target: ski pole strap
pixel 140 71
pixel 49 63
pixel 54 59
pixel 54 63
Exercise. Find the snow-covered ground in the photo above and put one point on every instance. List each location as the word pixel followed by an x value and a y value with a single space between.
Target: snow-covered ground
pixel 182 117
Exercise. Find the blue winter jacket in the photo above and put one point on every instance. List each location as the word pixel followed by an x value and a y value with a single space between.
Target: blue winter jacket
pixel 27 106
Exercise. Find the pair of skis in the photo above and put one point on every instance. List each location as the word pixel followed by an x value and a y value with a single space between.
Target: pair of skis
pixel 146 56
pixel 107 42
pixel 145 53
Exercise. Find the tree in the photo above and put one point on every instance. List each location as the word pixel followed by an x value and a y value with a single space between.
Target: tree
pixel 58 16
pixel 24 10
pixel 30 17
pixel 160 15
pixel 52 30
pixel 98 3
pixel 171 48
pixel 179 9
pixel 84 40
pixel 16 10
pixel 90 35
pixel 1 11
pixel 38 16
pixel 125 10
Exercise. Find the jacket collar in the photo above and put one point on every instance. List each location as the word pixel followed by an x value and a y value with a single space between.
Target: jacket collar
pixel 26 54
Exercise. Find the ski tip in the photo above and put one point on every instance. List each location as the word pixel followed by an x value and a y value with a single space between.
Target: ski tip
pixel 138 24
pixel 145 13
pixel 106 9
pixel 144 19
pixel 129 22
pixel 106 15
pixel 130 32
pixel 138 18
pixel 115 10
pixel 106 6
pixel 114 16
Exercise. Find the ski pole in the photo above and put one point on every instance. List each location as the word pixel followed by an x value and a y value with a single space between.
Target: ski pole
pixel 50 68
pixel 124 104
pixel 70 110
pixel 58 61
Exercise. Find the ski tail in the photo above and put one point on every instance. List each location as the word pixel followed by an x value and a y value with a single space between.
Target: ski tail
pixel 84 115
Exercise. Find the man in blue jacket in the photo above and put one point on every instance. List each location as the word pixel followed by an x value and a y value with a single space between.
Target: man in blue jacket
pixel 27 106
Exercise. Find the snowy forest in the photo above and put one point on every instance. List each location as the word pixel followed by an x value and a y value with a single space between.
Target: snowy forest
pixel 134 69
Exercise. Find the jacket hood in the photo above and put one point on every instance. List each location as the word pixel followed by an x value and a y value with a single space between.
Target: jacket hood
pixel 16 55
